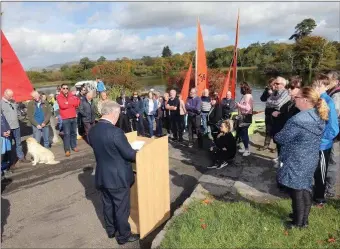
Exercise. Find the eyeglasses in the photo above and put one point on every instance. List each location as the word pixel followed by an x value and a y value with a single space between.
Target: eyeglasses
pixel 65 88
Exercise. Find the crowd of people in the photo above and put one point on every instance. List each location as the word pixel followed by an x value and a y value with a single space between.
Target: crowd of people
pixel 304 124
pixel 302 121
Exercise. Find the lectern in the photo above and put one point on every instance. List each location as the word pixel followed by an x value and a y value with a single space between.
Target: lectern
pixel 150 194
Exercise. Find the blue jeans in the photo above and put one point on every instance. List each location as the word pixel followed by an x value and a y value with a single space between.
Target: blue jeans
pixel 204 121
pixel 151 118
pixel 17 138
pixel 70 133
pixel 60 123
pixel 44 132
pixel 243 133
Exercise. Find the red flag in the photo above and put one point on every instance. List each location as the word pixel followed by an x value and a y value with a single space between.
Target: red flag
pixel 186 84
pixel 13 75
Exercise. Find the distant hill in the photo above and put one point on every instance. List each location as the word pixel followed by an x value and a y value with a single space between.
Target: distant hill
pixel 53 67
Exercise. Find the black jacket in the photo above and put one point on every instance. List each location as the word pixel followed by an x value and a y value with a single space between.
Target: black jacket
pixel 287 111
pixel 113 155
pixel 119 100
pixel 265 95
pixel 87 111
pixel 135 107
pixel 215 114
pixel 229 142
pixel 228 106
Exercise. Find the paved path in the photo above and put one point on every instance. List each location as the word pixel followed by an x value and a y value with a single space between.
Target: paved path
pixel 57 206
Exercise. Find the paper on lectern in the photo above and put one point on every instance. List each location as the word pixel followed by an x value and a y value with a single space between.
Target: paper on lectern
pixel 137 145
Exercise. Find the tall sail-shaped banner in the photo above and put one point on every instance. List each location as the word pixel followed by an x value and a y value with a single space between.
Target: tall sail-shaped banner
pixel 201 80
pixel 13 75
pixel 226 82
pixel 186 84
pixel 234 76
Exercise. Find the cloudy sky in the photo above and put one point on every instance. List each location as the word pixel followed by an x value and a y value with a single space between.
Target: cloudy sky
pixel 46 33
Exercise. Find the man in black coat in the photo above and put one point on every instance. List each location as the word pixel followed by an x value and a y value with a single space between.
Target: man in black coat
pixel 123 121
pixel 87 111
pixel 114 175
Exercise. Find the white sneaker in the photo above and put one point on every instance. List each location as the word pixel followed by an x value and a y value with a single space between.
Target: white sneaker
pixel 224 164
pixel 212 167
pixel 246 153
pixel 242 150
pixel 278 164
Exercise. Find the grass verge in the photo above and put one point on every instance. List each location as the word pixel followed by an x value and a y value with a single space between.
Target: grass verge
pixel 218 224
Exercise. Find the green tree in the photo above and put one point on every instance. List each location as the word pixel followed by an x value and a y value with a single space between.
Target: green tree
pixel 314 53
pixel 101 59
pixel 166 52
pixel 63 68
pixel 303 29
pixel 86 63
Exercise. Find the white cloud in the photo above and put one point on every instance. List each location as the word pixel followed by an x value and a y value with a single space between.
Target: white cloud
pixel 48 33
pixel 273 18
pixel 72 6
pixel 96 42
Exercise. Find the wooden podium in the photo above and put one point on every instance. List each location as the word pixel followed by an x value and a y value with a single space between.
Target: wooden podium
pixel 150 194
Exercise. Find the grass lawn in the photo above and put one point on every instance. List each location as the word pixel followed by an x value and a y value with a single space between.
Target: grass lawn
pixel 220 224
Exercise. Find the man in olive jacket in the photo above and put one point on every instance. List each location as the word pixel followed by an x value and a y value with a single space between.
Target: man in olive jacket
pixel 39 114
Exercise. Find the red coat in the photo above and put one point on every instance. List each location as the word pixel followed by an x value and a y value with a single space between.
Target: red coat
pixel 68 105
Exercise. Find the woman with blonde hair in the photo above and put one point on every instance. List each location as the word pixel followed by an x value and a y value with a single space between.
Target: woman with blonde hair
pixel 225 147
pixel 300 141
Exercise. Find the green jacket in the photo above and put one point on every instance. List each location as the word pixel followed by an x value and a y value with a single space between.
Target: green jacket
pixel 31 111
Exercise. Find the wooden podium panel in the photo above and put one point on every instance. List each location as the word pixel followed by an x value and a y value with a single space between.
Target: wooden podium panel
pixel 150 194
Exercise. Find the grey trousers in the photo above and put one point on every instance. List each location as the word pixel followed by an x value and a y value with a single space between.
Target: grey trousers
pixel 333 168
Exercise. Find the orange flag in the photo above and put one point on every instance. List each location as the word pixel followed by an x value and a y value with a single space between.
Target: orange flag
pixel 186 84
pixel 225 85
pixel 201 63
pixel 13 76
pixel 234 77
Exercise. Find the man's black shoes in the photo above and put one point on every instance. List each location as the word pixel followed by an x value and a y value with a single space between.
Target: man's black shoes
pixel 132 238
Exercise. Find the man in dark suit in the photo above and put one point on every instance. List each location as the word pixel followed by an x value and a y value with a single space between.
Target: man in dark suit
pixel 123 121
pixel 114 175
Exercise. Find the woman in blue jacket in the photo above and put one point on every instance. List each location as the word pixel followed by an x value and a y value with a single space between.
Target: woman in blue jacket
pixel 300 140
pixel 150 109
pixel 331 131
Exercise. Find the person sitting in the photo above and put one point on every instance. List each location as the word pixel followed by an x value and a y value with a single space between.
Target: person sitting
pixel 225 147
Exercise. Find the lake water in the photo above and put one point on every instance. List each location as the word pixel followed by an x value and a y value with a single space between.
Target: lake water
pixel 254 77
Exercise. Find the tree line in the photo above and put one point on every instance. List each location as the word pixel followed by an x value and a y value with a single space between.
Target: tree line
pixel 307 54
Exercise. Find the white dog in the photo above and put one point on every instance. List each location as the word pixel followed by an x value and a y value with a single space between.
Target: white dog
pixel 39 153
